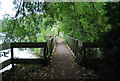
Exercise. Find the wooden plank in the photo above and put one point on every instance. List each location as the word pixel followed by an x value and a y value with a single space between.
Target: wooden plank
pixel 29 61
pixel 29 45
pixel 4 46
pixel 5 63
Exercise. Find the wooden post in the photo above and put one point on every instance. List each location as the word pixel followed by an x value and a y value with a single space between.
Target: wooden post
pixel 76 47
pixel 45 56
pixel 66 39
pixel 70 42
pixel 73 45
pixel 45 53
pixel 12 57
pixel 84 48
pixel 51 47
pixel 84 56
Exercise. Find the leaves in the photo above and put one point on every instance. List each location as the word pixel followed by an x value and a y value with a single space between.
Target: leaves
pixel 84 21
pixel 84 18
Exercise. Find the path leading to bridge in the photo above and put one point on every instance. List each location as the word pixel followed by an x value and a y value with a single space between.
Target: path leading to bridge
pixel 64 66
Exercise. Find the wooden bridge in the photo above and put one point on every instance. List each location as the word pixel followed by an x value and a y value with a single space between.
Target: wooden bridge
pixel 64 64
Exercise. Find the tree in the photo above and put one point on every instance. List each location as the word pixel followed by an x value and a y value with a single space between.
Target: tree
pixel 112 37
pixel 29 22
pixel 25 25
pixel 84 21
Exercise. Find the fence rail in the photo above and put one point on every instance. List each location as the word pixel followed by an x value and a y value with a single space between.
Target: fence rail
pixel 79 48
pixel 29 45
pixel 5 63
pixel 73 44
pixel 28 61
pixel 48 47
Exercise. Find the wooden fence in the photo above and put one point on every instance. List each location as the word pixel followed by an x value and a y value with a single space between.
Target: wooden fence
pixel 48 47
pixel 73 44
pixel 79 48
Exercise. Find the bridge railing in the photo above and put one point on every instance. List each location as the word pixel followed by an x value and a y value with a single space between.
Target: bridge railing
pixel 73 44
pixel 79 48
pixel 50 43
pixel 47 46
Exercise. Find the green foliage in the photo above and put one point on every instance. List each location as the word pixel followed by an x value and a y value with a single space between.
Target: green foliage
pixel 29 23
pixel 17 30
pixel 112 37
pixel 0 26
pixel 84 21
pixel 113 13
pixel 38 52
pixel 93 53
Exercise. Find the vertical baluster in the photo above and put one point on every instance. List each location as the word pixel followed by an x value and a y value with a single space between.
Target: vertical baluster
pixel 76 47
pixel 12 57
pixel 45 53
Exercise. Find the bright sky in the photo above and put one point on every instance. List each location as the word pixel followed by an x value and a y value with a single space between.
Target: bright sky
pixel 6 7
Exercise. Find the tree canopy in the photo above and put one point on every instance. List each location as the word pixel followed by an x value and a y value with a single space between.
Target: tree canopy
pixel 86 21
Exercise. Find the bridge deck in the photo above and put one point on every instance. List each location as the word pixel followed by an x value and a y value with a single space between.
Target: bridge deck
pixel 64 66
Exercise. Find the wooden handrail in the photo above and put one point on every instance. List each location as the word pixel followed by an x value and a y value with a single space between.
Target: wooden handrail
pixel 29 45
pixel 53 37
